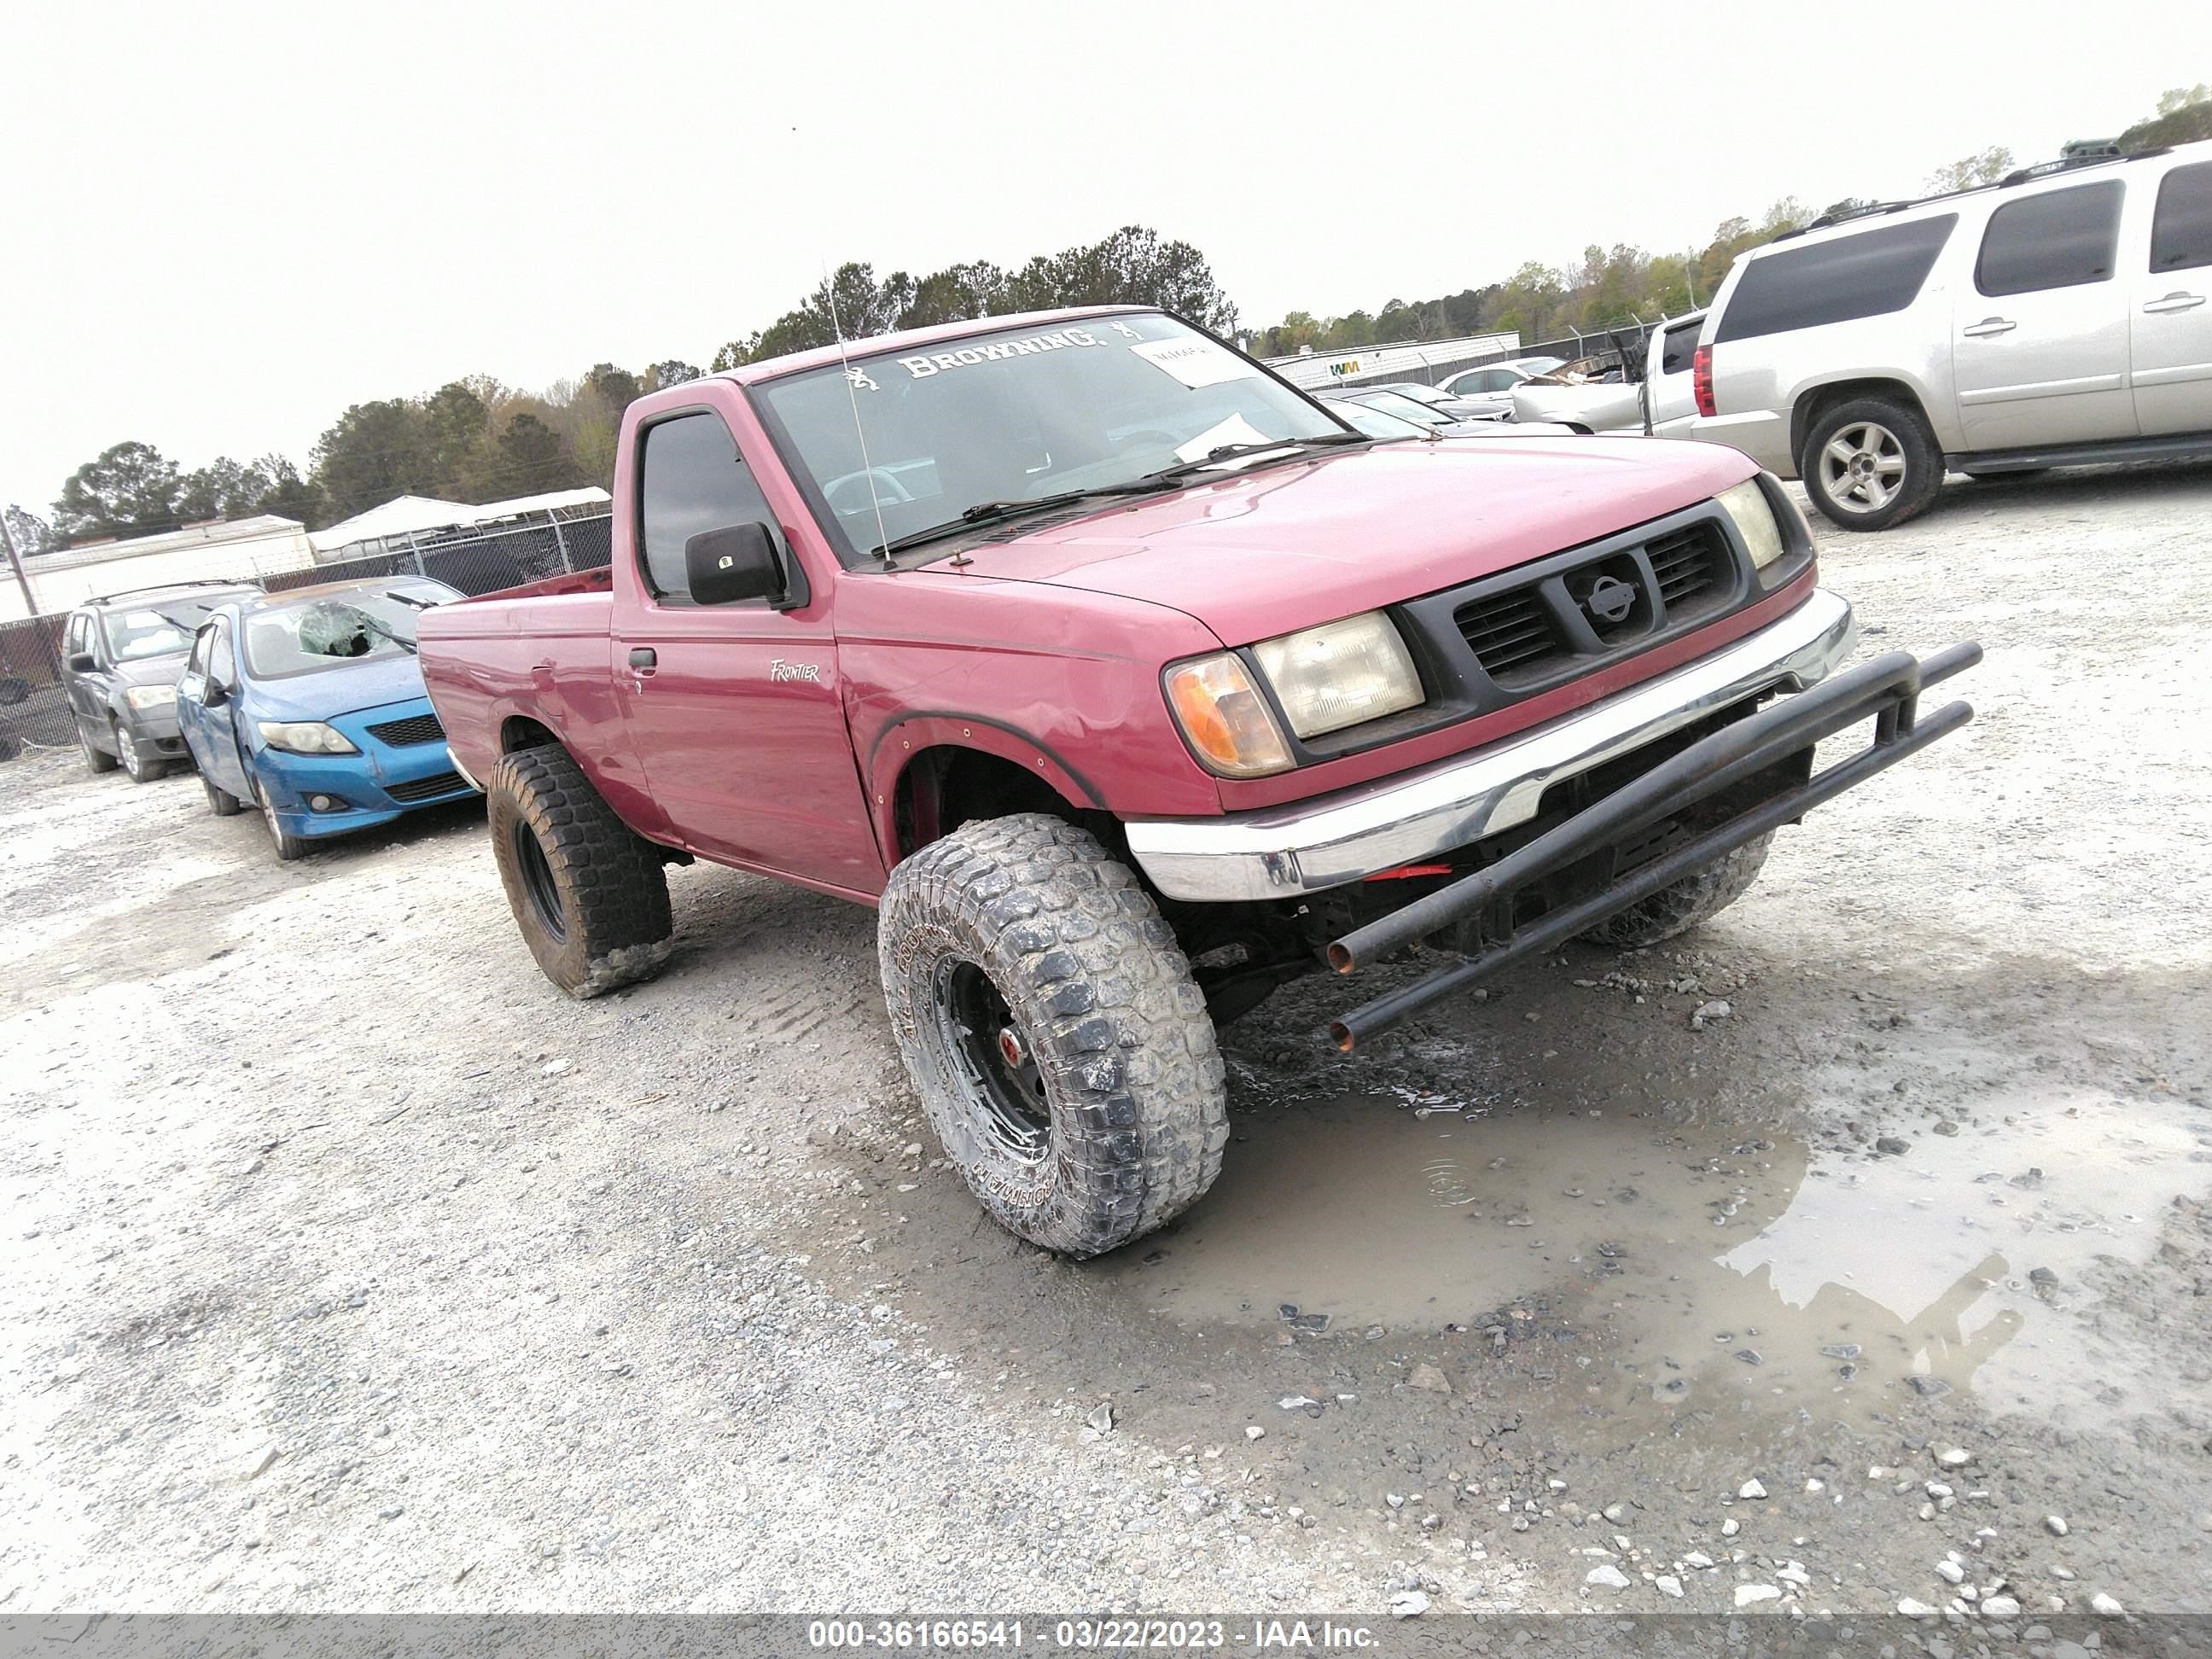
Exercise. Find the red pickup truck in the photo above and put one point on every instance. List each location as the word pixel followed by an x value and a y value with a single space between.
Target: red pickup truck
pixel 1128 683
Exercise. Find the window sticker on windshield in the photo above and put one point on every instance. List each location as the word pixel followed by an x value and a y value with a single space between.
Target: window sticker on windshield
pixel 1234 430
pixel 1196 363
pixel 937 362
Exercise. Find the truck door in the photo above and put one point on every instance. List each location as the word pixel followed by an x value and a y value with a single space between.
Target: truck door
pixel 734 710
pixel 2171 323
pixel 2039 333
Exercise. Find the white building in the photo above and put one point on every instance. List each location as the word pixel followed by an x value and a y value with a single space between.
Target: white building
pixel 396 526
pixel 241 549
pixel 1411 359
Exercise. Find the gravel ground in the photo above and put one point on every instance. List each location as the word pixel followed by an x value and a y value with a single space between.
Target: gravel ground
pixel 1856 1251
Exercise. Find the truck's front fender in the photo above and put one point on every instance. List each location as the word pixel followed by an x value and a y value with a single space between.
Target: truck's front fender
pixel 899 743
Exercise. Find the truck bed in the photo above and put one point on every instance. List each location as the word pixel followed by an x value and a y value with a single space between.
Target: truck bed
pixel 544 648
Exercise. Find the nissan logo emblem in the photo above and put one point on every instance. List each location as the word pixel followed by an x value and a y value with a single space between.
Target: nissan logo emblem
pixel 1609 600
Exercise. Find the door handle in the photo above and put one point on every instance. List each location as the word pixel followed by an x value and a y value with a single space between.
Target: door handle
pixel 1988 326
pixel 644 658
pixel 2176 302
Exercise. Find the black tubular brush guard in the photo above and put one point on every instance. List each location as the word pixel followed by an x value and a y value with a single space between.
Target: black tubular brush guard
pixel 1886 689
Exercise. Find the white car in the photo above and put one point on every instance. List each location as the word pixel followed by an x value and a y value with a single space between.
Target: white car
pixel 1497 379
pixel 2063 317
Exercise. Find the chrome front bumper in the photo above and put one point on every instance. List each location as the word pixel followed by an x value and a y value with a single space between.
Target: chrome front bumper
pixel 1307 846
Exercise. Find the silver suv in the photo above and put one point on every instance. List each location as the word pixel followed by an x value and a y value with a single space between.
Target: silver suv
pixel 2058 318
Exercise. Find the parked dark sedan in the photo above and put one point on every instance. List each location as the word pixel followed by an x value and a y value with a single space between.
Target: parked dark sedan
pixel 121 656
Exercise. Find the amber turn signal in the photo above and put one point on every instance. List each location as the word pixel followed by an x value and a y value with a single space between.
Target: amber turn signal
pixel 1224 717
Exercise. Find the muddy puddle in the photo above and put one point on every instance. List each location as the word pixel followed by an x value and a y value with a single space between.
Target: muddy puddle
pixel 1669 1266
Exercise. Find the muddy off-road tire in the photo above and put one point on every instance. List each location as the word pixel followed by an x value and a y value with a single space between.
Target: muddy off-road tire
pixel 589 896
pixel 1053 1032
pixel 1694 899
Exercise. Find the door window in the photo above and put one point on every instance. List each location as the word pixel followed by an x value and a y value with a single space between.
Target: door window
pixel 1678 348
pixel 221 659
pixel 2181 230
pixel 2062 238
pixel 79 636
pixel 199 664
pixel 694 480
pixel 1868 274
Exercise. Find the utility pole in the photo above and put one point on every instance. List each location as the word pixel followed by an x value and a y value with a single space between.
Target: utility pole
pixel 16 563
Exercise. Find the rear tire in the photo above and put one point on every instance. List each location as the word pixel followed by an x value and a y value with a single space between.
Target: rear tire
pixel 1053 1032
pixel 590 895
pixel 96 759
pixel 1694 899
pixel 1870 463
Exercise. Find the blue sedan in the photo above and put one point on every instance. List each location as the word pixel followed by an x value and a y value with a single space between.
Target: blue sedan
pixel 309 706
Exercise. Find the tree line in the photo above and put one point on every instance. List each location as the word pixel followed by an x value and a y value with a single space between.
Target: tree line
pixel 475 440
pixel 1611 285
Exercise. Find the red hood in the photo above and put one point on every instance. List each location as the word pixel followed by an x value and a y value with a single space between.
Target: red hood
pixel 1263 553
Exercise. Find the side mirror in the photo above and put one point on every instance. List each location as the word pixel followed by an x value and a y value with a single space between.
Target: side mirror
pixel 738 562
pixel 213 694
pixel 81 662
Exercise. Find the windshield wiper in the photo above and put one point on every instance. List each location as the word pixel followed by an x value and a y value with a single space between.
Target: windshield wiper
pixel 990 512
pixel 413 601
pixel 1230 452
pixel 376 627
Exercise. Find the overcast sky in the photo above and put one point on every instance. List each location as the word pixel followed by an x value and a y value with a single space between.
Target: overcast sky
pixel 226 224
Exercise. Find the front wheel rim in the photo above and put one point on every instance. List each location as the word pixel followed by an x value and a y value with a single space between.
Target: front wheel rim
pixel 537 883
pixel 1863 467
pixel 995 1069
pixel 126 751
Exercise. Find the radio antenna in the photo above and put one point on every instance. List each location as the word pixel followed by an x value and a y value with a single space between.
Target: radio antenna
pixel 853 397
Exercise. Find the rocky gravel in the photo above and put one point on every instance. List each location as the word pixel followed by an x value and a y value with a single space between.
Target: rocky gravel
pixel 1852 1255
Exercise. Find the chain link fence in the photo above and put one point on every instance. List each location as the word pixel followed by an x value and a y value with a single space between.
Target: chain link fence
pixel 477 561
pixel 34 705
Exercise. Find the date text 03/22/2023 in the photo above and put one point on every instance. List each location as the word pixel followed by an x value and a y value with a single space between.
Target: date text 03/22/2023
pixel 1085 1635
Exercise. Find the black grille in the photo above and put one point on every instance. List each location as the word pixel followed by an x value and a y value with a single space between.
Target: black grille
pixel 1688 564
pixel 416 728
pixel 1601 606
pixel 438 783
pixel 1509 631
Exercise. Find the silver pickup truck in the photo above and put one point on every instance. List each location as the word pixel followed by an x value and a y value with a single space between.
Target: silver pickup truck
pixel 1662 404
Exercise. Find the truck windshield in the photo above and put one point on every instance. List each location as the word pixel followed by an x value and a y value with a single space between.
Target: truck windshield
pixel 310 635
pixel 1018 415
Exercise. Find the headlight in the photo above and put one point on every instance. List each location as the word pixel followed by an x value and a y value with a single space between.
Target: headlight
pixel 1340 674
pixel 150 697
pixel 1747 504
pixel 305 737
